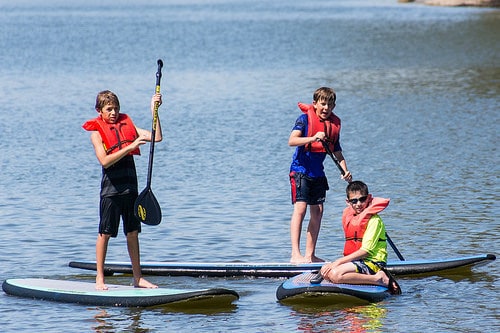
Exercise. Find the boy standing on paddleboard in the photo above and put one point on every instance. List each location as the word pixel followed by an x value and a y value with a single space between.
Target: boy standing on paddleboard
pixel 317 125
pixel 116 139
pixel 365 249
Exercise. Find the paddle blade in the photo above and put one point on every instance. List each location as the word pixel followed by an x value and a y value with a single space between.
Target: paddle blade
pixel 146 208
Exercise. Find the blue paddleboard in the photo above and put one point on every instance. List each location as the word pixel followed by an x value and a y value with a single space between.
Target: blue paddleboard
pixel 117 295
pixel 220 269
pixel 300 287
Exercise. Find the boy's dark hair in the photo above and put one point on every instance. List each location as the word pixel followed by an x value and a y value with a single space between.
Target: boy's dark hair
pixel 356 186
pixel 324 94
pixel 104 98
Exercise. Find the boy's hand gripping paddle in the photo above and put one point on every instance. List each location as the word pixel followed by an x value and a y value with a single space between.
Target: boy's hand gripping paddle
pixel 146 207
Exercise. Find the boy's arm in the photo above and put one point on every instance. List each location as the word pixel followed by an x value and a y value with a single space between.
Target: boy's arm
pixel 356 255
pixel 296 138
pixel 108 160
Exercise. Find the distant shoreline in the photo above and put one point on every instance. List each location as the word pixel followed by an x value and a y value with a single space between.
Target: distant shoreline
pixel 458 3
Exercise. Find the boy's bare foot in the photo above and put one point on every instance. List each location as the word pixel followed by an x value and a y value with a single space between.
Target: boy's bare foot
pixel 316 259
pixel 382 278
pixel 100 285
pixel 305 260
pixel 143 283
pixel 309 260
pixel 298 259
pixel 387 280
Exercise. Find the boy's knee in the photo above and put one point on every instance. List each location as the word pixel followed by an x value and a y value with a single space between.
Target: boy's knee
pixel 334 276
pixel 133 234
pixel 104 236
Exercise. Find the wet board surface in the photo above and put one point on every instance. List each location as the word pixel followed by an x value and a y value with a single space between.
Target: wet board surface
pixel 299 288
pixel 408 267
pixel 117 295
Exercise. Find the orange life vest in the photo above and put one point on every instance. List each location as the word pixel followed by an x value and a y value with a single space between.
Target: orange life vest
pixel 114 136
pixel 355 225
pixel 315 124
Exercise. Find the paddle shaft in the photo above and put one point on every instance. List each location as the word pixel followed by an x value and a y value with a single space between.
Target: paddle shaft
pixel 400 256
pixel 329 152
pixel 153 130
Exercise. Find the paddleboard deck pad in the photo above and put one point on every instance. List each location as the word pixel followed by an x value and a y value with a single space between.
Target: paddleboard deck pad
pixel 300 288
pixel 409 267
pixel 117 295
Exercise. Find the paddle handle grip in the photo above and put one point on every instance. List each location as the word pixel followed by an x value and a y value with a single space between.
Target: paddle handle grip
pixel 157 105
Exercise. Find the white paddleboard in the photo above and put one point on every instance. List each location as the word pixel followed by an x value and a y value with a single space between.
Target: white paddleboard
pixel 117 295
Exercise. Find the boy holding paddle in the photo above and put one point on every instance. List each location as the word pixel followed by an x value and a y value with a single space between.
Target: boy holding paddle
pixel 116 139
pixel 365 249
pixel 316 128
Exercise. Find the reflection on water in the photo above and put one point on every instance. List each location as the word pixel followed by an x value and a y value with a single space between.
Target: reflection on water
pixel 101 325
pixel 127 320
pixel 359 319
pixel 139 319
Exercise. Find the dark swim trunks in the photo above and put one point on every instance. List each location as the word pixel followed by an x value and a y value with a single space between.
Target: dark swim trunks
pixel 308 189
pixel 112 208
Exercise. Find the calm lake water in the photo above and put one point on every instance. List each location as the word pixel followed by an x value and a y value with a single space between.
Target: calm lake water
pixel 418 94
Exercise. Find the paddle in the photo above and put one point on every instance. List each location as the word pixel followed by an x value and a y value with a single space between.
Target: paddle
pixel 146 207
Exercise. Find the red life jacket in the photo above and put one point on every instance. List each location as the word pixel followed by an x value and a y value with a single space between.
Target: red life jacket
pixel 114 136
pixel 315 124
pixel 355 225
